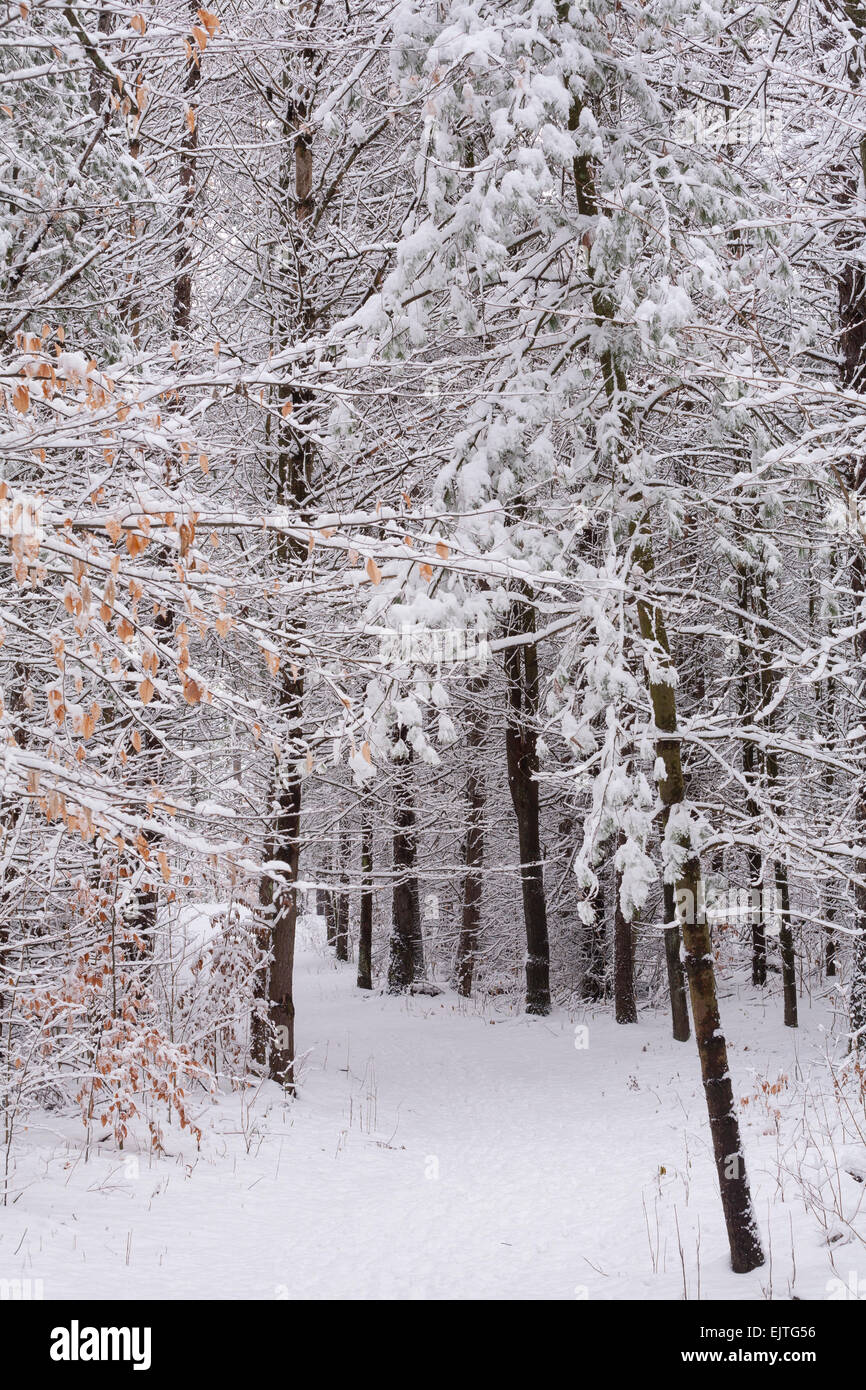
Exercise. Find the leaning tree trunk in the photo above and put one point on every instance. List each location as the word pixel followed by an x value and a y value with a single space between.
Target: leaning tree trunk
pixel 521 672
pixel 473 844
pixel 615 383
pixel 743 1238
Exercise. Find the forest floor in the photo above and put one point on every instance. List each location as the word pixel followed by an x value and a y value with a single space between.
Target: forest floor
pixel 440 1151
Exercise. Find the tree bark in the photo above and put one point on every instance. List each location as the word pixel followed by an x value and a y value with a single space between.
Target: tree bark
pixel 750 774
pixel 594 983
pixel 759 934
pixel 473 844
pixel 331 916
pixel 341 935
pixel 829 943
pixel 743 1239
pixel 182 302
pixel 365 924
pixel 406 961
pixel 625 1006
pixel 294 477
pixel 852 373
pixel 279 904
pixel 768 683
pixel 676 972
pixel 521 672
pixel 786 948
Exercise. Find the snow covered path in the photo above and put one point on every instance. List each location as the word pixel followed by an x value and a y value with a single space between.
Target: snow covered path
pixel 433 1153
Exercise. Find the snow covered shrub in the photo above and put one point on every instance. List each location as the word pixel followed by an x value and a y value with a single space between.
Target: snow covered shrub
pixel 101 1028
pixel 823 1150
pixel 136 1070
pixel 766 1100
pixel 231 969
pixel 222 988
pixel 93 1032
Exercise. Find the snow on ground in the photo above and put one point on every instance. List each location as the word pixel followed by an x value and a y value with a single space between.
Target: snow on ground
pixel 437 1151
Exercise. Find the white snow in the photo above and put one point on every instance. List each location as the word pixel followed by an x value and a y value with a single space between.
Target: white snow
pixel 437 1150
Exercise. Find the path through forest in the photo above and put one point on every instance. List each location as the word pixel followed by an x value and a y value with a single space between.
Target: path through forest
pixel 433 1152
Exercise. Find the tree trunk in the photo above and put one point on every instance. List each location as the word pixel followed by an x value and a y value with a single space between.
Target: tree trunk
pixel 182 301
pixel 594 983
pixel 786 948
pixel 759 934
pixel 365 924
pixel 852 373
pixel 331 916
pixel 473 845
pixel 279 903
pixel 406 961
pixel 829 944
pixel 145 912
pixel 745 1245
pixel 521 672
pixel 768 682
pixel 743 1239
pixel 750 775
pixel 625 1007
pixel 341 936
pixel 676 972
pixel 825 722
pixel 294 474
